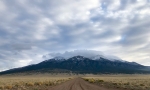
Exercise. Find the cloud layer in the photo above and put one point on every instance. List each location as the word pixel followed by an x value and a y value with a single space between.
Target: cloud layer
pixel 31 29
pixel 86 53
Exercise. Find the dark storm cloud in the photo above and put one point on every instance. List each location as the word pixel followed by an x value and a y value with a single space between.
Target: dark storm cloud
pixel 31 29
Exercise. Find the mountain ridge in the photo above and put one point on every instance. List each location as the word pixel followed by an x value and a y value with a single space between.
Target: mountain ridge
pixel 81 64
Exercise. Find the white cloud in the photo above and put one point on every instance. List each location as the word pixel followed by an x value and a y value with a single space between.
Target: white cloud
pixel 85 53
pixel 2 7
pixel 35 28
pixel 114 5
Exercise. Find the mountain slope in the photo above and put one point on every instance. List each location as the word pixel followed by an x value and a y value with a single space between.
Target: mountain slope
pixel 80 64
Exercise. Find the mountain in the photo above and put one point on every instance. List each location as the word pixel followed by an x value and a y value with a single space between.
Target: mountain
pixel 81 64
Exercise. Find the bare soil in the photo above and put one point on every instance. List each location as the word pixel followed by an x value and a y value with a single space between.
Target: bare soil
pixel 78 84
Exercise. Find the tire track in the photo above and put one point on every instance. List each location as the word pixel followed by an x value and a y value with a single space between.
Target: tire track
pixel 81 86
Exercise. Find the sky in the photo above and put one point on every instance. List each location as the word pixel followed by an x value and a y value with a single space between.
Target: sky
pixel 32 29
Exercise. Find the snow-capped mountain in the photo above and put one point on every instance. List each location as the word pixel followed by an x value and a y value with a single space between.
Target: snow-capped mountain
pixel 79 57
pixel 92 54
pixel 81 64
pixel 59 58
pixel 99 57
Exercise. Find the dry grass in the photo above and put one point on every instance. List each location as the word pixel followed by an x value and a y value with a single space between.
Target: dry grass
pixel 44 81
pixel 31 82
pixel 129 82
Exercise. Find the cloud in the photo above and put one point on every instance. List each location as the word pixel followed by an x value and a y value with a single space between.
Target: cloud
pixel 69 54
pixel 85 53
pixel 31 29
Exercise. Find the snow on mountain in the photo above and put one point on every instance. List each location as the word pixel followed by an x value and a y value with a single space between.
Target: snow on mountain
pixel 59 58
pixel 99 57
pixel 91 54
pixel 78 58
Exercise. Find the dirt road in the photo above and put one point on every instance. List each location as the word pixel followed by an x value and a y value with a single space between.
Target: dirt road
pixel 78 84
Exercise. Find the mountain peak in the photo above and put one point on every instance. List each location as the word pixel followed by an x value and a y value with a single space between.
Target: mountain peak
pixel 91 54
pixel 59 58
pixel 101 57
pixel 78 57
pixel 97 57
